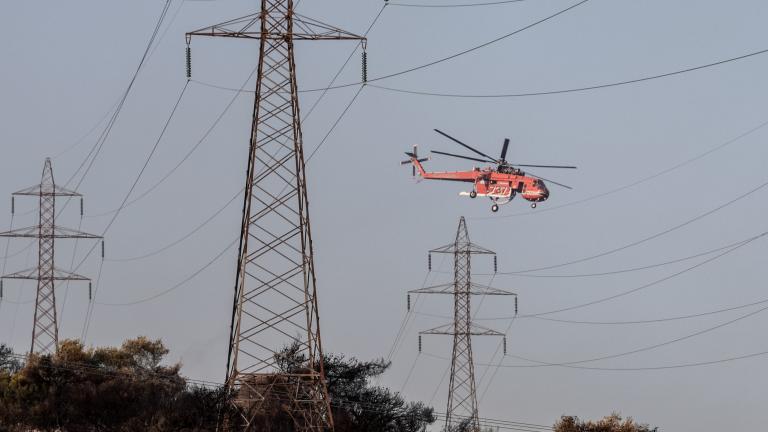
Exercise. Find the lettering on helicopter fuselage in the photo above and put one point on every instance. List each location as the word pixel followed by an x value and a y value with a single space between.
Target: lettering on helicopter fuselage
pixel 499 190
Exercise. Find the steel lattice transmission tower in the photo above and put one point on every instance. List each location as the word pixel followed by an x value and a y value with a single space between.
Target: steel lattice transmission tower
pixel 275 303
pixel 45 331
pixel 462 396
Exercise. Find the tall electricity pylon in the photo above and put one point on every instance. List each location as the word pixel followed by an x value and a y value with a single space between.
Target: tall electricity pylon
pixel 275 302
pixel 45 330
pixel 462 396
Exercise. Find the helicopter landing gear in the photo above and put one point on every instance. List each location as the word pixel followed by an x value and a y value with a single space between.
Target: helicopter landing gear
pixel 495 208
pixel 533 205
pixel 473 194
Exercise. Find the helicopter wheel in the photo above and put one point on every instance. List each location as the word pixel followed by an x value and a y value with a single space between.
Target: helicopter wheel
pixel 495 208
pixel 533 205
pixel 473 194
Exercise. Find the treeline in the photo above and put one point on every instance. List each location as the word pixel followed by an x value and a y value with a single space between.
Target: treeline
pixel 130 389
pixel 612 423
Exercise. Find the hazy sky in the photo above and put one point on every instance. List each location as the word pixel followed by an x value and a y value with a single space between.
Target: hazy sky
pixel 65 65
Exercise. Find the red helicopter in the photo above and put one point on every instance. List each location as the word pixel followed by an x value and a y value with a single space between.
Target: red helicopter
pixel 500 183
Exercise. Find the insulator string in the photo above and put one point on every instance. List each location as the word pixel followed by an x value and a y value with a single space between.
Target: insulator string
pixel 189 62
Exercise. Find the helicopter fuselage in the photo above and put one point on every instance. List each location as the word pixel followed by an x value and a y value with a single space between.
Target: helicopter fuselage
pixel 492 183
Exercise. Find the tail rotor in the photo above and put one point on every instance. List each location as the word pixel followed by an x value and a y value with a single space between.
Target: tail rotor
pixel 414 156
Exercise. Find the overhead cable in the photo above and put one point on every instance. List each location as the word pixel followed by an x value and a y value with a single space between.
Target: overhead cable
pixel 177 285
pixel 656 320
pixel 636 350
pixel 650 237
pixel 182 238
pixel 636 182
pixel 644 286
pixel 196 229
pixel 618 271
pixel 571 90
pixel 433 62
pixel 140 174
pixel 96 148
pixel 186 156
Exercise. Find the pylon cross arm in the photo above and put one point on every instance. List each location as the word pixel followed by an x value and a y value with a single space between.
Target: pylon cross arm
pixel 473 330
pixel 34 274
pixel 449 288
pixel 468 247
pixel 446 288
pixel 58 232
pixel 46 190
pixel 249 27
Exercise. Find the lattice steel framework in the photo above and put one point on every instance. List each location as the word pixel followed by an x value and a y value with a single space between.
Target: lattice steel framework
pixel 275 302
pixel 45 331
pixel 462 396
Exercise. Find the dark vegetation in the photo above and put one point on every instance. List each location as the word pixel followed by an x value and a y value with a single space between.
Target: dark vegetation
pixel 612 423
pixel 130 389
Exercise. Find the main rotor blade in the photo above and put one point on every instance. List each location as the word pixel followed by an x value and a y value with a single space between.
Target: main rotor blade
pixel 544 166
pixel 504 149
pixel 463 157
pixel 464 145
pixel 549 181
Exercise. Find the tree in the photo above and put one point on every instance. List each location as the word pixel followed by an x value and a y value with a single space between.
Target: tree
pixel 8 361
pixel 120 389
pixel 611 423
pixel 356 404
pixel 128 388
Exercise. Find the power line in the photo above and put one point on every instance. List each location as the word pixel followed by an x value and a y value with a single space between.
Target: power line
pixel 626 322
pixel 650 237
pixel 670 341
pixel 96 149
pixel 466 51
pixel 407 319
pixel 187 155
pixel 20 251
pixel 71 264
pixel 135 182
pixel 18 301
pixel 644 286
pixel 5 261
pixel 637 182
pixel 96 370
pixel 496 369
pixel 89 310
pixel 571 90
pixel 133 186
pixel 647 368
pixel 177 285
pixel 437 61
pixel 540 315
pixel 657 320
pixel 148 158
pixel 336 123
pixel 346 403
pixel 182 238
pixel 86 135
pixel 199 227
pixel 624 270
pixel 215 124
pixel 637 350
pixel 117 103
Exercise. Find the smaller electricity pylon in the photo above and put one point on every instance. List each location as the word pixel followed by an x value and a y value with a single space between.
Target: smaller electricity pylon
pixel 45 330
pixel 462 395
